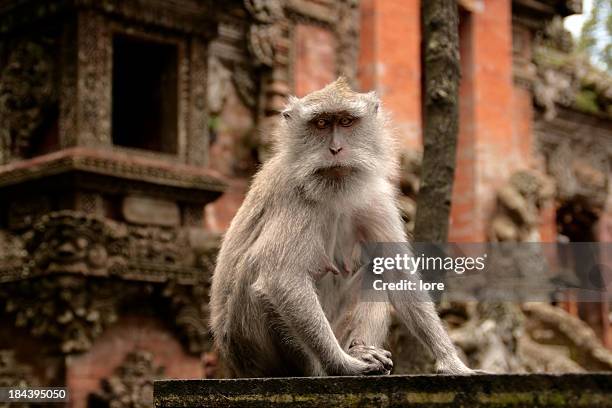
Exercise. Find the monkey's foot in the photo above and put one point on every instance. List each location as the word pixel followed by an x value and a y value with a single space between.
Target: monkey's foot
pixel 453 366
pixel 379 359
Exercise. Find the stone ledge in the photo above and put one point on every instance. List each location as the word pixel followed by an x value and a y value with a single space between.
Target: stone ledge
pixel 113 171
pixel 504 390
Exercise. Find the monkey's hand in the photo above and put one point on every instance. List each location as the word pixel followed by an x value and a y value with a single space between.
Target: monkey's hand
pixel 378 360
pixel 453 366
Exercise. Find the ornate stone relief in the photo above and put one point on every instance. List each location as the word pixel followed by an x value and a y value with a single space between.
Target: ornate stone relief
pixel 27 94
pixel 264 35
pixel 71 274
pixel 190 308
pixel 581 170
pixel 347 32
pixel 70 311
pixel 131 386
pixel 519 201
pixel 12 373
pixel 70 242
pixel 410 165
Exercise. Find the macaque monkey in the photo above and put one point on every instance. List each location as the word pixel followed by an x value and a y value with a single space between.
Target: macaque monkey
pixel 285 300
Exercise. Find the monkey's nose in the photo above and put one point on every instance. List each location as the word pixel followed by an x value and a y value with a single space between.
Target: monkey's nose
pixel 335 150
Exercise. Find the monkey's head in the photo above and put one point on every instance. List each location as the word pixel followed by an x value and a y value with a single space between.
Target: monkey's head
pixel 334 136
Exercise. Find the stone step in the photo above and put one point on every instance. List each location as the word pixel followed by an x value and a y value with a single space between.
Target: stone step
pixel 503 390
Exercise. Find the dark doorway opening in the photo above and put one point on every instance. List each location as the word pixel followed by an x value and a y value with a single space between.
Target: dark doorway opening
pixel 145 102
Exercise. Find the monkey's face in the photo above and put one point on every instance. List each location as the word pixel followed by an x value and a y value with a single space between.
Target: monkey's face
pixel 332 135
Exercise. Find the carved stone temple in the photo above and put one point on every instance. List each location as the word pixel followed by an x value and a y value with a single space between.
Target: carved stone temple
pixel 103 144
pixel 114 140
pixel 129 131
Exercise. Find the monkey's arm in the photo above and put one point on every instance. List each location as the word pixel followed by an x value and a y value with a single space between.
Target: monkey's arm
pixel 381 222
pixel 294 298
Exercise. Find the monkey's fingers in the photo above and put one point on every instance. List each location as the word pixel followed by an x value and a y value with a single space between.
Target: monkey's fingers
pixel 384 357
pixel 376 369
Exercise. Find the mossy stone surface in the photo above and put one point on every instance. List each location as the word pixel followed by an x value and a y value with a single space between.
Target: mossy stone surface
pixel 506 390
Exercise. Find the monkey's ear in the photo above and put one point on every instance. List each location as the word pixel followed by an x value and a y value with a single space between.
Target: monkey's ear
pixel 373 101
pixel 291 104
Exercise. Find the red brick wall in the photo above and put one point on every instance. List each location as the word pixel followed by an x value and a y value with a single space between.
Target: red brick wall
pixel 463 205
pixel 85 371
pixel 315 64
pixel 487 153
pixel 390 61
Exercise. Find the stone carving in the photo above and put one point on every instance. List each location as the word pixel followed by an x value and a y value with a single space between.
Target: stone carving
pixel 566 78
pixel 71 242
pixel 190 307
pixel 555 36
pixel 570 339
pixel 264 35
pixel 27 95
pixel 487 333
pixel 159 245
pixel 240 76
pixel 518 204
pixel 551 88
pixel 76 243
pixel 60 277
pixel 131 386
pixel 245 84
pixel 219 78
pixel 533 337
pixel 410 164
pixel 580 171
pixel 347 32
pixel 13 374
pixel 12 255
pixel 70 311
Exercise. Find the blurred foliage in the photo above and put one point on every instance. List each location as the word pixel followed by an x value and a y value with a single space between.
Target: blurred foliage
pixel 567 74
pixel 596 36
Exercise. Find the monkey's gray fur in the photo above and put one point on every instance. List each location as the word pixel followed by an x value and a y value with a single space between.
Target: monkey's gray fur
pixel 327 189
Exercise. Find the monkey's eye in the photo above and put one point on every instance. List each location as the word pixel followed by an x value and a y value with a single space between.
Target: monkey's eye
pixel 321 123
pixel 346 121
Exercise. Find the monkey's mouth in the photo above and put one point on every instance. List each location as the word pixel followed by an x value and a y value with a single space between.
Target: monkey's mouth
pixel 335 172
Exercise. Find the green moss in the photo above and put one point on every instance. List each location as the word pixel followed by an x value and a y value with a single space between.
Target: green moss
pixel 506 398
pixel 586 101
pixel 430 397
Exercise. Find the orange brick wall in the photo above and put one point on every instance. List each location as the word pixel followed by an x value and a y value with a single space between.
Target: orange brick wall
pixel 463 205
pixel 390 61
pixel 495 117
pixel 315 64
pixel 84 372
pixel 487 153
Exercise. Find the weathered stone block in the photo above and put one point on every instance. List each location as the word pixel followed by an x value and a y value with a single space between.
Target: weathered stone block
pixel 508 390
pixel 148 210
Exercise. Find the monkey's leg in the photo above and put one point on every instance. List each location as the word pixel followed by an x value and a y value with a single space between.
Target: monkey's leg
pixel 295 300
pixel 367 322
pixel 382 223
pixel 361 327
pixel 364 330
